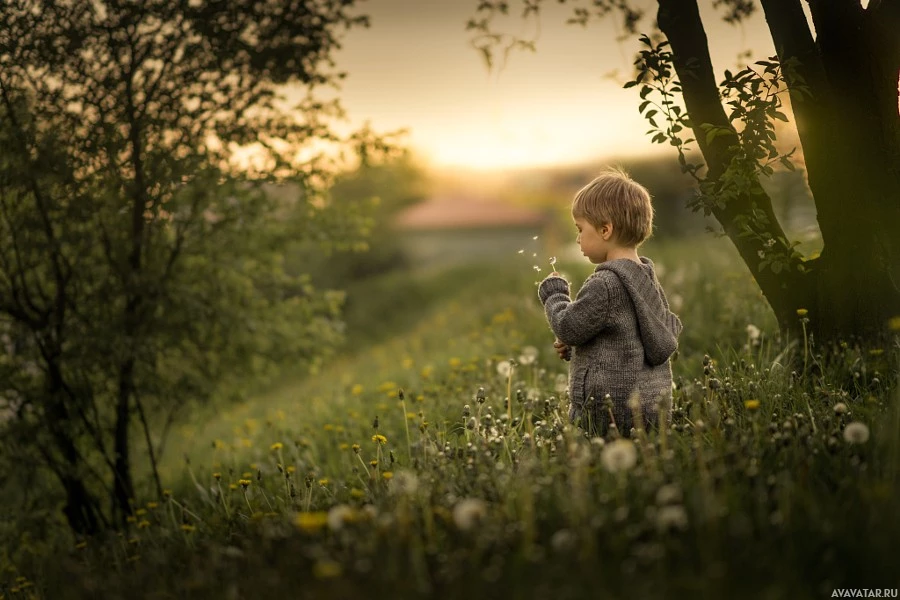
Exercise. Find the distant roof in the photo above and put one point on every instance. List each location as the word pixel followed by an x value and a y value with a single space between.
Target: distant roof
pixel 453 212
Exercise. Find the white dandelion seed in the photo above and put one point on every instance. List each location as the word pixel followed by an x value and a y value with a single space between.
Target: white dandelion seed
pixel 339 515
pixel 503 368
pixel 537 268
pixel 469 512
pixel 671 517
pixel 528 356
pixel 522 251
pixel 562 383
pixel 535 237
pixel 619 456
pixel 856 433
pixel 753 332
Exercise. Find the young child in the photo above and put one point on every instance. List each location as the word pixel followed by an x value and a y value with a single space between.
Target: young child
pixel 619 331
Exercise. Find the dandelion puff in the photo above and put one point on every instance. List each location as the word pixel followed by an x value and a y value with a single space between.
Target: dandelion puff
pixel 404 483
pixel 840 408
pixel 671 517
pixel 469 512
pixel 619 456
pixel 668 494
pixel 522 251
pixel 563 541
pixel 753 332
pixel 856 433
pixel 339 515
pixel 528 356
pixel 562 383
pixel 503 368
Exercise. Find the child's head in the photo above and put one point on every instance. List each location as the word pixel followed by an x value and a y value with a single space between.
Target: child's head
pixel 617 207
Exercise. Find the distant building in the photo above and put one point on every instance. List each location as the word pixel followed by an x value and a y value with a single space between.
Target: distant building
pixel 458 229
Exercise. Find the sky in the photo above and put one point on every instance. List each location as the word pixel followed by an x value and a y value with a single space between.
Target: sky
pixel 414 68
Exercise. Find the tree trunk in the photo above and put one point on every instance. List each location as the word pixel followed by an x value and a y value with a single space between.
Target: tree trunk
pixel 123 488
pixel 852 156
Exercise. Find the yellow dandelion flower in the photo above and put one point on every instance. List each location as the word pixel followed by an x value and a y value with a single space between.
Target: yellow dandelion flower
pixel 454 362
pixel 188 528
pixel 751 404
pixel 167 493
pixel 374 463
pixel 218 444
pixel 311 522
pixel 379 439
pixel 246 475
pixel 144 524
pixel 140 512
pixel 876 351
pixel 387 475
pixel 291 468
pixel 323 482
pixel 232 486
pixel 894 323
pixel 355 448
pixel 357 493
pixel 356 390
pixel 326 569
pixel 328 427
pixel 802 312
pixel 407 363
pixel 217 476
pixel 244 483
pixel 420 398
pixel 152 505
pixel 131 519
pixel 81 545
pixel 344 446
pixel 276 446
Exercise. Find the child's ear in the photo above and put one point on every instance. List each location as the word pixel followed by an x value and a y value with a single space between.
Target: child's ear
pixel 606 231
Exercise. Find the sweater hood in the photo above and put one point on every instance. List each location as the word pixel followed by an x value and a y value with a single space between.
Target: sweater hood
pixel 659 327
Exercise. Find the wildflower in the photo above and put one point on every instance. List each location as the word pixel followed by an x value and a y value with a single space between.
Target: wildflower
pixel 379 439
pixel 619 456
pixel 356 390
pixel 404 482
pixel 81 545
pixel 503 368
pixel 340 515
pixel 311 522
pixel 528 356
pixel 751 404
pixel 753 332
pixel 167 493
pixel 387 475
pixel 454 362
pixel 357 493
pixel 894 323
pixel 326 569
pixel 562 383
pixel 323 482
pixel 152 505
pixel 668 494
pixel 840 408
pixel 355 448
pixel 802 312
pixel 856 433
pixel 217 476
pixel 290 469
pixel 374 463
pixel 143 524
pixel 563 541
pixel 671 517
pixel 244 483
pixel 188 528
pixel 276 446
pixel 468 512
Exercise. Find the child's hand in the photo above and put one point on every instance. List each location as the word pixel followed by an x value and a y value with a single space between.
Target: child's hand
pixel 564 351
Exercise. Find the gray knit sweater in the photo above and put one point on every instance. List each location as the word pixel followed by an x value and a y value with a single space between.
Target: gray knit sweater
pixel 622 334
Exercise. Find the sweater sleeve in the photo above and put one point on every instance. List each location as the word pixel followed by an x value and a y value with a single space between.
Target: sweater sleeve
pixel 576 322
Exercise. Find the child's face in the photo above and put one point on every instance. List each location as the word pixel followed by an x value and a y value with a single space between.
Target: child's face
pixel 594 242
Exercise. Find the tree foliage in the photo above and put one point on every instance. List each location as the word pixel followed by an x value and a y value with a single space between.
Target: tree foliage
pixel 141 246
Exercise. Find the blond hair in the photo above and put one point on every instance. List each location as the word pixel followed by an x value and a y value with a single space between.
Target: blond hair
pixel 614 197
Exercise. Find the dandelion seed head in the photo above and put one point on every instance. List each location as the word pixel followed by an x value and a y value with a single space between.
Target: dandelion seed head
pixel 856 433
pixel 619 456
pixel 671 517
pixel 469 512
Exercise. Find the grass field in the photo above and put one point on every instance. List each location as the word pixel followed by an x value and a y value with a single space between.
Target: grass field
pixel 771 482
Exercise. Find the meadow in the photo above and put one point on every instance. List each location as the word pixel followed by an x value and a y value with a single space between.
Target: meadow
pixel 400 470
